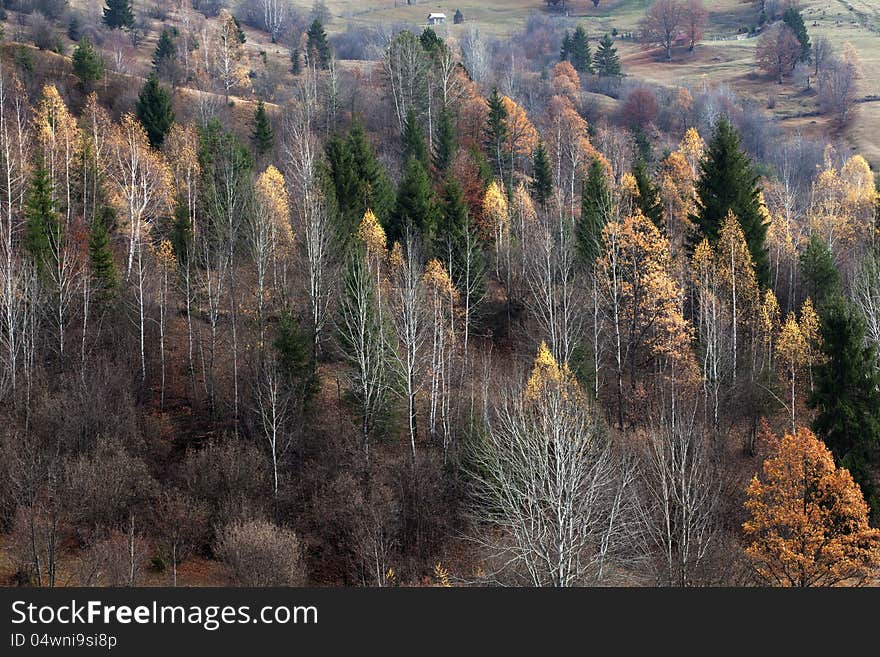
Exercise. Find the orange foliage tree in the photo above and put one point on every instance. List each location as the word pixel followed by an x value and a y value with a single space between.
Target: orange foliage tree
pixel 808 521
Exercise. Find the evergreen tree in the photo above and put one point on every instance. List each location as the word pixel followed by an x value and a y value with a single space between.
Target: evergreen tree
pixel 294 350
pixel 596 200
pixel 295 66
pixel 414 140
pixel 154 110
pixel 649 196
pixel 415 206
pixel 460 250
pixel 118 14
pixel 165 50
pixel 847 393
pixel 181 231
pixel 42 227
pixel 359 180
pixel 542 176
pixel 102 267
pixel 262 137
pixel 565 51
pixel 431 43
pixel 496 131
pixel 606 61
pixel 728 183
pixel 317 46
pixel 792 17
pixel 579 54
pixel 239 33
pixel 87 63
pixel 821 277
pixel 445 142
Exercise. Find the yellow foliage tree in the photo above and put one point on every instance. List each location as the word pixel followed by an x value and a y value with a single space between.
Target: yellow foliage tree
pixel 808 521
pixel 792 350
pixel 737 279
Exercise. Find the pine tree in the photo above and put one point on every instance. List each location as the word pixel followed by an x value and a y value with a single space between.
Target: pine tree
pixel 102 267
pixel 415 206
pixel 295 65
pixel 445 142
pixel 728 183
pixel 649 201
pixel 154 110
pixel 359 180
pixel 414 140
pixel 565 51
pixel 118 14
pixel 460 251
pixel 542 176
pixel 792 17
pixel 580 55
pixel 606 61
pixel 431 43
pixel 262 137
pixel 317 46
pixel 182 232
pixel 847 393
pixel 87 63
pixel 42 227
pixel 294 349
pixel 596 202
pixel 165 50
pixel 496 131
pixel 821 277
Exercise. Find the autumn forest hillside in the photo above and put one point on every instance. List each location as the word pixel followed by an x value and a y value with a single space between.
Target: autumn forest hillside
pixel 549 294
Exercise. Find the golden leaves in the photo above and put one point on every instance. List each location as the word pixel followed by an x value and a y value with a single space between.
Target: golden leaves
pixel 437 278
pixel 372 235
pixel 547 375
pixel 808 521
pixel 522 137
pixel 791 345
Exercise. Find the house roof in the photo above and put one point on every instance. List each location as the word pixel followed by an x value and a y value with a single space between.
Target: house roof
pixel 433 15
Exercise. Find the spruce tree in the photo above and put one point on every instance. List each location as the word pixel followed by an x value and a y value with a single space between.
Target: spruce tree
pixel 165 50
pixel 496 131
pixel 42 227
pixel 565 51
pixel 847 393
pixel 792 17
pixel 728 183
pixel 317 46
pixel 294 349
pixel 359 180
pixel 821 277
pixel 606 61
pixel 262 137
pixel 118 14
pixel 295 66
pixel 542 176
pixel 415 206
pixel 596 200
pixel 102 267
pixel 431 43
pixel 154 110
pixel 445 142
pixel 459 248
pixel 580 55
pixel 414 140
pixel 649 196
pixel 87 64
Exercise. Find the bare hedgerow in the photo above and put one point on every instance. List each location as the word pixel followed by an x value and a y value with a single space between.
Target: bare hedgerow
pixel 260 553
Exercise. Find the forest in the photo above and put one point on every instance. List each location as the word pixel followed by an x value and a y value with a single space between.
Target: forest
pixel 290 301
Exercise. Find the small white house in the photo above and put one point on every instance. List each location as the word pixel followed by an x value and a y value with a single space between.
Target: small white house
pixel 436 19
